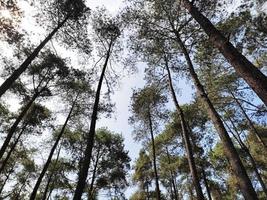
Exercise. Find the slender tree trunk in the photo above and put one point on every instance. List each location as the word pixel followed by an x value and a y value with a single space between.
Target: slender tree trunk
pixel 94 174
pixel 172 177
pixel 206 183
pixel 11 149
pixel 154 158
pixel 185 134
pixel 244 68
pixel 7 177
pixel 15 75
pixel 37 184
pixel 239 170
pixel 91 135
pixel 250 123
pixel 251 159
pixel 16 123
pixel 50 177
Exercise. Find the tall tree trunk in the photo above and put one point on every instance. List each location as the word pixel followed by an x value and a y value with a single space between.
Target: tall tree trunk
pixel 50 177
pixel 91 135
pixel 244 68
pixel 42 174
pixel 15 75
pixel 239 170
pixel 172 177
pixel 12 149
pixel 91 188
pixel 250 123
pixel 16 123
pixel 206 183
pixel 154 158
pixel 6 179
pixel 251 159
pixel 186 138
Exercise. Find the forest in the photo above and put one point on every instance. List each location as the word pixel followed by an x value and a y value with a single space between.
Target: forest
pixel 196 72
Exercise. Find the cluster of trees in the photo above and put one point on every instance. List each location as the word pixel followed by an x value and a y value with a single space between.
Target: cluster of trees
pixel 211 148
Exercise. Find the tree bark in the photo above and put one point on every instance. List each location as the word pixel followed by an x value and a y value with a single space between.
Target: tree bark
pixel 91 135
pixel 244 68
pixel 11 150
pixel 16 123
pixel 37 184
pixel 154 158
pixel 239 170
pixel 15 75
pixel 185 134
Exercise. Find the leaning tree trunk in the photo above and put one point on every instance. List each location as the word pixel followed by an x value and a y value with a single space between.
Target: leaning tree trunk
pixel 244 68
pixel 206 183
pixel 11 149
pixel 91 188
pixel 239 170
pixel 251 159
pixel 50 177
pixel 154 158
pixel 172 176
pixel 91 135
pixel 37 184
pixel 186 138
pixel 250 123
pixel 16 123
pixel 15 75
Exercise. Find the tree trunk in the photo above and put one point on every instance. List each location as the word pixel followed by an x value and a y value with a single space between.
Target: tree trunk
pixel 239 170
pixel 185 134
pixel 250 123
pixel 91 135
pixel 15 75
pixel 16 123
pixel 7 177
pixel 37 184
pixel 12 149
pixel 94 175
pixel 206 183
pixel 50 177
pixel 154 158
pixel 172 177
pixel 244 68
pixel 251 159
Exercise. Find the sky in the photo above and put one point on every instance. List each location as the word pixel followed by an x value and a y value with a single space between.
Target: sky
pixel 119 121
pixel 121 97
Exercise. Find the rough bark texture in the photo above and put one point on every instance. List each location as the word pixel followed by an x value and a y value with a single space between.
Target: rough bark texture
pixel 239 170
pixel 91 135
pixel 154 158
pixel 244 68
pixel 186 138
pixel 15 75
pixel 40 178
